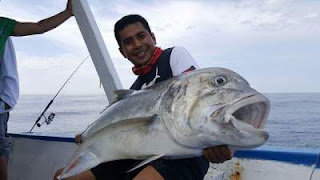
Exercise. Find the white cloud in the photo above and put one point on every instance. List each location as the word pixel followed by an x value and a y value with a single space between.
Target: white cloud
pixel 247 36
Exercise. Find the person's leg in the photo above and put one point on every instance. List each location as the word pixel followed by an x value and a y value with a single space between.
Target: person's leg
pixel 3 168
pixel 4 149
pixel 149 173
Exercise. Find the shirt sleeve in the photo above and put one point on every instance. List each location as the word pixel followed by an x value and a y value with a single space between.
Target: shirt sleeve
pixel 181 60
pixel 9 80
pixel 6 28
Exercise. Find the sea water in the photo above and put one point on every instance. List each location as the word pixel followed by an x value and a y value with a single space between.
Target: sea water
pixel 294 120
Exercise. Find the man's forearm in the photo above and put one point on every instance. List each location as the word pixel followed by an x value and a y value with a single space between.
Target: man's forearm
pixel 54 21
pixel 25 28
pixel 29 28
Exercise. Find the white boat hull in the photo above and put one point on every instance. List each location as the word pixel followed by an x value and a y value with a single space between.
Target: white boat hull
pixel 38 158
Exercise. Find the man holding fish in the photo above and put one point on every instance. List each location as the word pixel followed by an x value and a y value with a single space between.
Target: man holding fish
pixel 152 65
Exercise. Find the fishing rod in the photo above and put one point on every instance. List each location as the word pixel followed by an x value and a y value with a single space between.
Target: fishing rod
pixel 51 116
pixel 315 166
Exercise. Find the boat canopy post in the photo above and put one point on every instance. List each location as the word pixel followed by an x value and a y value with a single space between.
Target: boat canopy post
pixel 97 49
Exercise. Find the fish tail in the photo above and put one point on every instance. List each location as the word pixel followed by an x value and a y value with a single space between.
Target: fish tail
pixel 80 164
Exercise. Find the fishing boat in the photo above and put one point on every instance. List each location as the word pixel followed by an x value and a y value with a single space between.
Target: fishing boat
pixel 37 157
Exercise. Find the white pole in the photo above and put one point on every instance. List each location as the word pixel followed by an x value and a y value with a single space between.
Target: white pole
pixel 97 49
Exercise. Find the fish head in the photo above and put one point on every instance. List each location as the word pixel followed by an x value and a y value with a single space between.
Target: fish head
pixel 218 106
pixel 238 124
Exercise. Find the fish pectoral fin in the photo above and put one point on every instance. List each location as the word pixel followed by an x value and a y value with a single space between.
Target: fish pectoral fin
pixel 79 165
pixel 152 158
pixel 137 121
pixel 147 118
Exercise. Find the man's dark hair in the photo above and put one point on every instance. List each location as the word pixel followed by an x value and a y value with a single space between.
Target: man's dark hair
pixel 127 20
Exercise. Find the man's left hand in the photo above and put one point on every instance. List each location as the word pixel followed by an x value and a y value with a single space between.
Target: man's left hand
pixel 218 154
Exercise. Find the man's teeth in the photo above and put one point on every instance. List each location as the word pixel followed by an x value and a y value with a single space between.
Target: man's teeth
pixel 141 54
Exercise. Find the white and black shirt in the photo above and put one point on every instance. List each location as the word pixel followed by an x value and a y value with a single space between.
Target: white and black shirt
pixel 172 62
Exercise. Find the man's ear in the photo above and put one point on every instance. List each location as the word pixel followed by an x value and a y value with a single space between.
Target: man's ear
pixel 154 38
pixel 123 53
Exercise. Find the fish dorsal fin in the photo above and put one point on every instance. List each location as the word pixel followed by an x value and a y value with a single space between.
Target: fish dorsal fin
pixel 150 159
pixel 132 121
pixel 122 93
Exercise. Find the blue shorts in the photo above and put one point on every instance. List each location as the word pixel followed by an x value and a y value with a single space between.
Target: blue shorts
pixel 5 141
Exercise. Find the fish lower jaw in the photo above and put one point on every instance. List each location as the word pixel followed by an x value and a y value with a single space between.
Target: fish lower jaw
pixel 252 110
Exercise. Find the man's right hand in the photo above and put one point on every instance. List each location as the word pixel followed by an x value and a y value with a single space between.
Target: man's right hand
pixel 69 7
pixel 218 154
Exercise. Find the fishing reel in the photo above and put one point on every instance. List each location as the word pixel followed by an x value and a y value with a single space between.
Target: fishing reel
pixel 47 120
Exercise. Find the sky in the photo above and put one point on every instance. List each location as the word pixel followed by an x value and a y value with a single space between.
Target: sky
pixel 271 43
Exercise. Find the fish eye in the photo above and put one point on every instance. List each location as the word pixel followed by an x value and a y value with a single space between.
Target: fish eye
pixel 219 81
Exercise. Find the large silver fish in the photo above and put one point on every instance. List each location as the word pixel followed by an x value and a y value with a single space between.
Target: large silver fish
pixel 176 118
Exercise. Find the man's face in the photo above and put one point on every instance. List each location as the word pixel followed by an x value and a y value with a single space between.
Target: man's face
pixel 137 44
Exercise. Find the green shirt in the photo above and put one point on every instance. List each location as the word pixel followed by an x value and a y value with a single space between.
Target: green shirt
pixel 6 28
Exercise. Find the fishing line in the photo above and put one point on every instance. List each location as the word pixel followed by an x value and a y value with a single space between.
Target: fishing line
pixel 51 116
pixel 315 166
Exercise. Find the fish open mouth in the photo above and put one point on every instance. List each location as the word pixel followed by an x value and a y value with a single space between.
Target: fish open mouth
pixel 252 109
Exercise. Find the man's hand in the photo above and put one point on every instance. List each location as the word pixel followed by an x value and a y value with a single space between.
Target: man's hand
pixel 218 154
pixel 69 7
pixel 78 139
